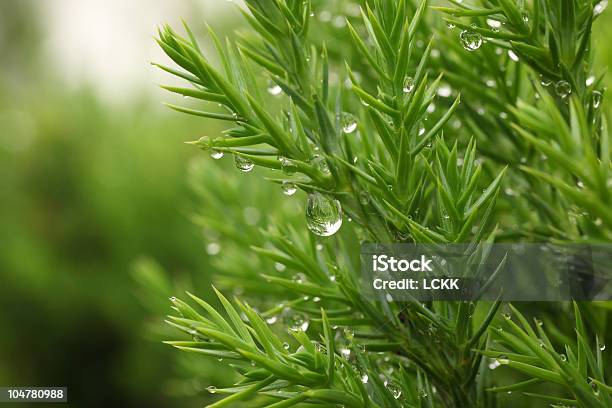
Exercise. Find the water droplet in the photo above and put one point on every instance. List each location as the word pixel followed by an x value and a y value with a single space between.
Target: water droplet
pixel 348 122
pixel 212 389
pixel 408 85
pixel 594 387
pixel 299 277
pixel 172 298
pixel 602 347
pixel 563 89
pixel 243 164
pixel 272 319
pixel 319 247
pixel 445 91
pixel 332 278
pixel 205 143
pixel 299 323
pixel 216 154
pixel 364 378
pixel 274 88
pixel 348 333
pixel 545 81
pixel 213 248
pixel 513 56
pixel 600 7
pixel 422 393
pixel 494 364
pixel 597 97
pixel 395 390
pixel 287 166
pixel 590 80
pixel 494 24
pixel 507 316
pixel 280 267
pixel 346 352
pixel 421 131
pixel 320 163
pixel 470 40
pixel 288 188
pixel 525 17
pixel 286 346
pixel 323 214
pixel 563 357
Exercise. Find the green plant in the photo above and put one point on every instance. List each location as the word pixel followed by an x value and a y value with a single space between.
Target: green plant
pixel 382 137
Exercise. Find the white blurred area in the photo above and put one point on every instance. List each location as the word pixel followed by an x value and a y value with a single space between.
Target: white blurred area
pixel 110 43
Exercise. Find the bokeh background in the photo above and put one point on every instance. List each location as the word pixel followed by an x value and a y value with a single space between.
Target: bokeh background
pixel 93 188
pixel 95 204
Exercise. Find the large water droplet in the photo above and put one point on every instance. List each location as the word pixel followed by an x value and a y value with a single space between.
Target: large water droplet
pixel 212 389
pixel 365 378
pixel 288 188
pixel 600 7
pixel 408 85
pixel 243 164
pixel 348 122
pixel 470 40
pixel 513 56
pixel 323 214
pixel 563 89
pixel 602 347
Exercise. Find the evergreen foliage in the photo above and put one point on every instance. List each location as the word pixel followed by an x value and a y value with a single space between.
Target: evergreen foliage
pixel 475 121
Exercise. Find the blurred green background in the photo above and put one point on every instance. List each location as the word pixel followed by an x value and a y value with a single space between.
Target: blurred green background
pixel 93 186
pixel 92 179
